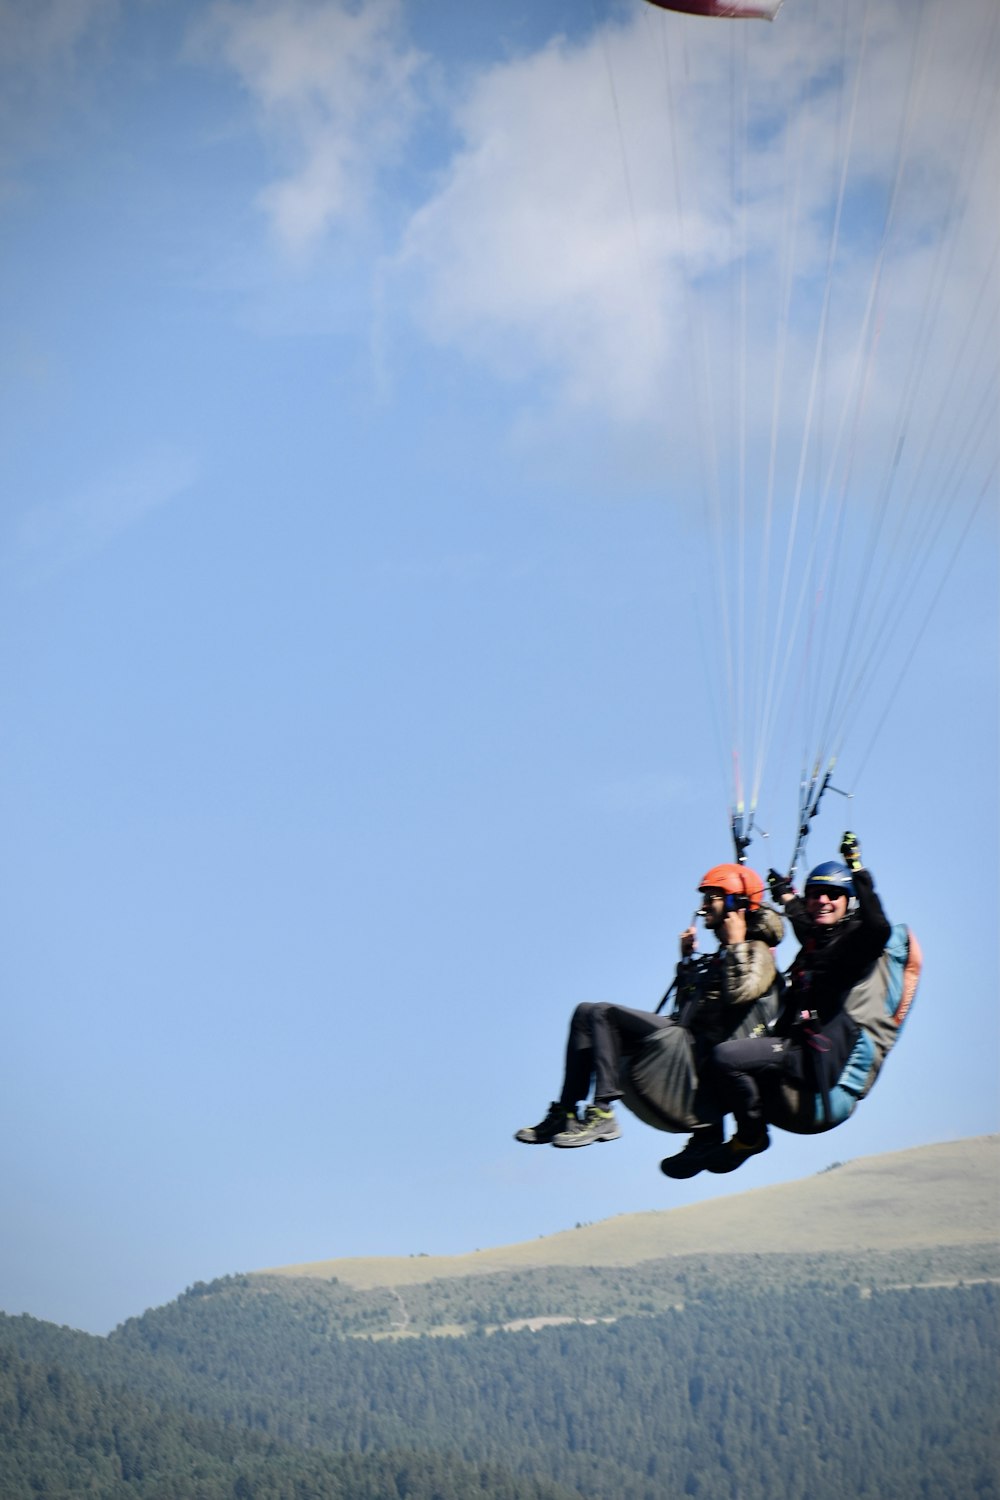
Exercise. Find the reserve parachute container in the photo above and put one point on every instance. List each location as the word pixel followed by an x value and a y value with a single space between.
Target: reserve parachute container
pixel 878 1005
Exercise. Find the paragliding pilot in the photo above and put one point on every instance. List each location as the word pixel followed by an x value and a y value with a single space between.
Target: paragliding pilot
pixel 720 995
pixel 843 931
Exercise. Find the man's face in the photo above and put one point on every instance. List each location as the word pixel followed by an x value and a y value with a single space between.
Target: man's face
pixel 713 907
pixel 826 907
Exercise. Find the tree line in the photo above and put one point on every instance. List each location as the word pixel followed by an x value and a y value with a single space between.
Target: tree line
pixel 242 1391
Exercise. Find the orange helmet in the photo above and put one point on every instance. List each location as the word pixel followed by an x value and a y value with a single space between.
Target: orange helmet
pixel 742 886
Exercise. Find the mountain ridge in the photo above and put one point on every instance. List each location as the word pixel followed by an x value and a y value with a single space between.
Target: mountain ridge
pixel 941 1194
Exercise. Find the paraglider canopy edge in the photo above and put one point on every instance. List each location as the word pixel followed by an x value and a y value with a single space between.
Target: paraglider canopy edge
pixel 734 10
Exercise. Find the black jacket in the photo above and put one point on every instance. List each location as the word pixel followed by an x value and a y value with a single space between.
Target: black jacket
pixel 824 971
pixel 830 963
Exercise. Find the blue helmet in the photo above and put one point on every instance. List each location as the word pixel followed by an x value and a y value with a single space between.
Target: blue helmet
pixel 833 876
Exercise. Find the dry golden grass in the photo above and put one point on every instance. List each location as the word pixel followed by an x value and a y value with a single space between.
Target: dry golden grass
pixel 933 1195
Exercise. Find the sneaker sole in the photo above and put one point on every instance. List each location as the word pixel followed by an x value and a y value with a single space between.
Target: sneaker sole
pixel 593 1140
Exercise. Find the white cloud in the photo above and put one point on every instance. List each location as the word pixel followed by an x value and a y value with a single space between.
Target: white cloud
pixel 615 224
pixel 333 85
pixel 528 256
pixel 62 532
pixel 560 245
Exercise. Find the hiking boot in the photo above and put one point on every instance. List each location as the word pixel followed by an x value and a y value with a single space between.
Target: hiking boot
pixel 735 1152
pixel 695 1156
pixel 558 1118
pixel 596 1125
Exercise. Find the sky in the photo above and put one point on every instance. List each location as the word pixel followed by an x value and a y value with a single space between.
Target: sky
pixel 450 455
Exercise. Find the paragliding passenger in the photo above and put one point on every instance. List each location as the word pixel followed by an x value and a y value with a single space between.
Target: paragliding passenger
pixel 843 930
pixel 715 995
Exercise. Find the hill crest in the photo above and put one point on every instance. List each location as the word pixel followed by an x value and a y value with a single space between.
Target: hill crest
pixel 945 1194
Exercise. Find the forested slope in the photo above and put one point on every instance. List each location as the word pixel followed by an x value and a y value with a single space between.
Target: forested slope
pixel 63 1435
pixel 822 1392
pixel 721 1374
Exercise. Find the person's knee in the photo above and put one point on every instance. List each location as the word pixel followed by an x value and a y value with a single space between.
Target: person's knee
pixel 724 1057
pixel 585 1012
pixel 582 1021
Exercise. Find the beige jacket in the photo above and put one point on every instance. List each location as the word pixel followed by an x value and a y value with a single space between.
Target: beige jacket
pixel 715 993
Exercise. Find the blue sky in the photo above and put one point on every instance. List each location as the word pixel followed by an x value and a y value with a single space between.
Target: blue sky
pixel 383 387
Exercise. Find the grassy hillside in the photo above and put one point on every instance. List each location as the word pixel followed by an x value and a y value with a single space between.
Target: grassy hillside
pixel 923 1199
pixel 691 1357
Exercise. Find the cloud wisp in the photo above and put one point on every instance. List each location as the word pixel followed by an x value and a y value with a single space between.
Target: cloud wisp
pixel 59 534
pixel 41 47
pixel 333 88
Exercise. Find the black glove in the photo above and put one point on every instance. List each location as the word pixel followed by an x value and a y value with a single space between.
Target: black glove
pixel 779 886
pixel 851 850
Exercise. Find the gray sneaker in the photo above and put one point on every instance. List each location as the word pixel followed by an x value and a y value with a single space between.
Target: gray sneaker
pixel 596 1125
pixel 559 1118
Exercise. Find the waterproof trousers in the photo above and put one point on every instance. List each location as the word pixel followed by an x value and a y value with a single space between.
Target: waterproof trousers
pixel 599 1037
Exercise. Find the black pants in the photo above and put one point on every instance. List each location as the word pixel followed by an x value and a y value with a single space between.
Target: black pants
pixel 738 1066
pixel 599 1037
